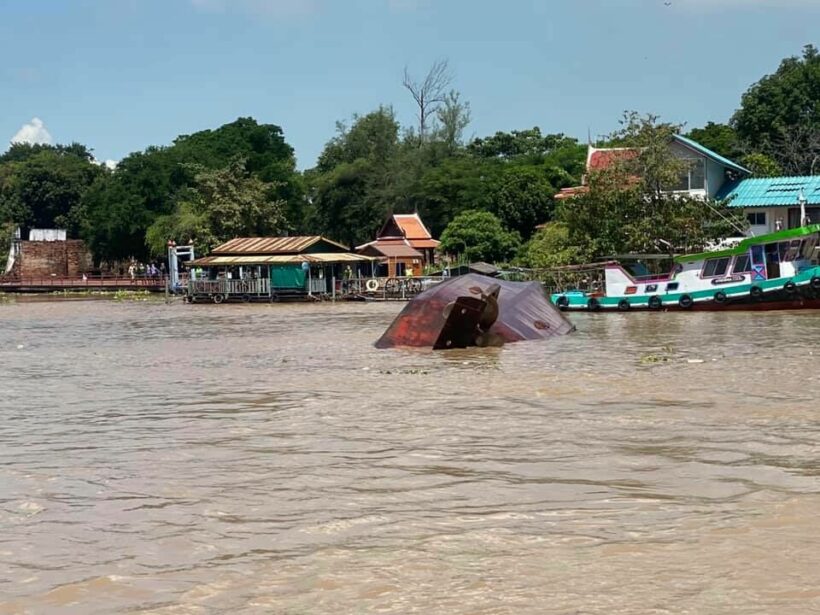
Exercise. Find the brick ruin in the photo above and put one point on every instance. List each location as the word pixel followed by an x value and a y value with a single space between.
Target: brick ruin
pixel 68 258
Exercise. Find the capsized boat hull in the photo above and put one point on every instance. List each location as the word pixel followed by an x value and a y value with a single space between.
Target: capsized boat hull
pixel 457 313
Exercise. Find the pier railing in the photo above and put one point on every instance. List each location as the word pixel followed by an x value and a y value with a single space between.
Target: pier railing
pixel 227 287
pixel 397 288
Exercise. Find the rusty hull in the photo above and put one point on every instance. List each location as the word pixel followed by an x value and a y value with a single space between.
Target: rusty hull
pixel 461 312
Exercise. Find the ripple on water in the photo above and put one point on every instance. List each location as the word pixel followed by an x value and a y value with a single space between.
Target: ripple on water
pixel 171 459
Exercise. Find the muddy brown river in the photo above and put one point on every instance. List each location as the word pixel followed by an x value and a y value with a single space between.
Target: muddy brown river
pixel 179 459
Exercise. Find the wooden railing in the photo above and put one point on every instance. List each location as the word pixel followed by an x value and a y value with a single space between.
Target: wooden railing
pixel 88 281
pixel 257 287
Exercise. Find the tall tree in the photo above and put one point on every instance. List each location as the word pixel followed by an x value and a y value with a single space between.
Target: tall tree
pixel 780 114
pixel 220 205
pixel 42 186
pixel 429 94
pixel 453 117
pixel 149 184
pixel 350 187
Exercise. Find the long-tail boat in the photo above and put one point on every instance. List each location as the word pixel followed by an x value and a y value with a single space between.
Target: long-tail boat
pixel 768 272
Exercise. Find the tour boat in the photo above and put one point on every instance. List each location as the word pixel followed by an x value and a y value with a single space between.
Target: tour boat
pixel 767 272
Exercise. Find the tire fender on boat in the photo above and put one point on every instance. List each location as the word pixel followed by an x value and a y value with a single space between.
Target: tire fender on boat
pixel 685 302
pixel 815 282
pixel 655 302
pixel 790 287
pixel 218 298
pixel 756 292
pixel 593 305
pixel 720 297
pixel 624 305
pixel 562 302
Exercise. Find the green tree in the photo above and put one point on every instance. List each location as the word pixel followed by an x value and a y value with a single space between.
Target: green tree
pixel 453 117
pixel 353 186
pixel 551 247
pixel 479 235
pixel 42 186
pixel 221 204
pixel 121 206
pixel 761 165
pixel 780 115
pixel 522 198
pixel 720 138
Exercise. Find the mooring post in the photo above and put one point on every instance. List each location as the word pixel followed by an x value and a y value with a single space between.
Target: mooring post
pixel 333 286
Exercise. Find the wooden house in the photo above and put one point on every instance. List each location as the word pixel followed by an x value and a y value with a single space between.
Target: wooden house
pixel 402 246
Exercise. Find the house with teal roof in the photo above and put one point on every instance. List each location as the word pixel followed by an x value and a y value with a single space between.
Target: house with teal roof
pixel 706 173
pixel 769 203
pixel 774 203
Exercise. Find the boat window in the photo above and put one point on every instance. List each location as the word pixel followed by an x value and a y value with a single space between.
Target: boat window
pixel 742 264
pixel 808 247
pixel 638 270
pixel 792 251
pixel 715 267
pixel 672 286
pixel 758 256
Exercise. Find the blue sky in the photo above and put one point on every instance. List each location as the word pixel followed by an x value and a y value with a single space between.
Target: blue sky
pixel 119 75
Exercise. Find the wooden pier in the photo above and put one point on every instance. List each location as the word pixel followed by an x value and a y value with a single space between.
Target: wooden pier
pixel 48 284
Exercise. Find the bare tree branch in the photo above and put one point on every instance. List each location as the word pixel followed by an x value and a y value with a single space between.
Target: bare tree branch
pixel 429 93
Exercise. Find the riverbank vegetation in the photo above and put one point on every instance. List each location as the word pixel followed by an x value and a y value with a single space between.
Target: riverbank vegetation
pixel 488 198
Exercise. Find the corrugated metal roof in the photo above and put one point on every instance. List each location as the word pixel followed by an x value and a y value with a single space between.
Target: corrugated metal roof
pixel 272 245
pixel 771 191
pixel 327 258
pixel 710 154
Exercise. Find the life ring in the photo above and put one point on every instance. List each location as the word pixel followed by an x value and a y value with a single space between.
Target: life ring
pixel 624 305
pixel 756 292
pixel 562 302
pixel 685 302
pixel 720 297
pixel 593 305
pixel 655 302
pixel 790 287
pixel 815 282
pixel 372 285
pixel 217 298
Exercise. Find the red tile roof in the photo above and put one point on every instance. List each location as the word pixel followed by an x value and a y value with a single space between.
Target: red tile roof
pixel 601 159
pixel 412 226
pixel 391 248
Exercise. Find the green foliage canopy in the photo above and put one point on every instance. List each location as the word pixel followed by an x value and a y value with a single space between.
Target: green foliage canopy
pixel 479 235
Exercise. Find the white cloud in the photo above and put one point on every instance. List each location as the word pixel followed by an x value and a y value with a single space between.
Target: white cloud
pixel 34 131
pixel 108 164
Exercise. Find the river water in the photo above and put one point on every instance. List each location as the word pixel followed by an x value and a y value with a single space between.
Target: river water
pixel 179 459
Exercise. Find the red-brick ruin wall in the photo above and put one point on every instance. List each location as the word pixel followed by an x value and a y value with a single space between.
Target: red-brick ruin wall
pixel 69 258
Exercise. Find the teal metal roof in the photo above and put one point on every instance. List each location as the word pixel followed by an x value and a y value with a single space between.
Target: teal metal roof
pixel 710 154
pixel 771 191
